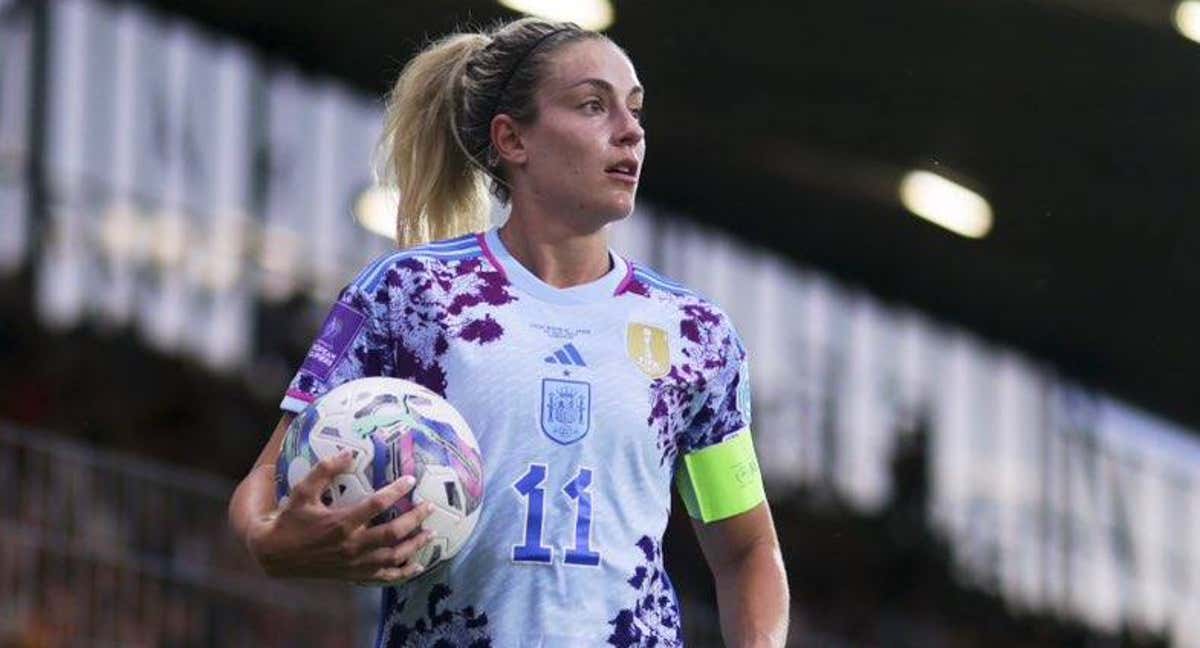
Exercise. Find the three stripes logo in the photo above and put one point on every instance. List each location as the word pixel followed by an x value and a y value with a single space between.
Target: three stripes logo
pixel 567 355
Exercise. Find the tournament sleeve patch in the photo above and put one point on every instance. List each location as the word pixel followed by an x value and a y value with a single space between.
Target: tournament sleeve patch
pixel 722 480
pixel 337 334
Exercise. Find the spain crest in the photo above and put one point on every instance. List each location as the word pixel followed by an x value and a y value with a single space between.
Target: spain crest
pixel 566 409
pixel 647 347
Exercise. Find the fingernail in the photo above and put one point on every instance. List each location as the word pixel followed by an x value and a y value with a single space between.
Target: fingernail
pixel 427 508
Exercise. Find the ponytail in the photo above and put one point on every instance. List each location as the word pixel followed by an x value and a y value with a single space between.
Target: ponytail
pixel 442 192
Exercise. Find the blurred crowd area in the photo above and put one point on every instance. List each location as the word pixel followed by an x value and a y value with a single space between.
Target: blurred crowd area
pixel 103 549
pixel 99 548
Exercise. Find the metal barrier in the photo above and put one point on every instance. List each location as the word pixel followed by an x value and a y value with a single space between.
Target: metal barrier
pixel 103 549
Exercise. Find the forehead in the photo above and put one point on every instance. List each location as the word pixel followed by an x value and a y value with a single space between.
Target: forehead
pixel 591 59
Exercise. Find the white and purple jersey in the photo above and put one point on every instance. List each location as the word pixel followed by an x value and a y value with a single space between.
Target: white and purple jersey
pixel 583 400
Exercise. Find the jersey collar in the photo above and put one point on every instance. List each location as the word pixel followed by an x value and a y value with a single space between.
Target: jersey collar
pixel 603 288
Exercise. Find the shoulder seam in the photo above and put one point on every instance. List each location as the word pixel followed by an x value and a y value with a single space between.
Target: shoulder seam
pixel 661 282
pixel 370 277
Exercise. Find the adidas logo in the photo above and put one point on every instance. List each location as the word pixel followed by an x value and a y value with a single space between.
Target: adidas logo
pixel 567 355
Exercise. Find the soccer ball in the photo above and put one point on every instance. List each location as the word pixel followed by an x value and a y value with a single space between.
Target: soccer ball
pixel 394 428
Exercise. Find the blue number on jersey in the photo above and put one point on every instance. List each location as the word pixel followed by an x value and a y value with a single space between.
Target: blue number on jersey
pixel 530 486
pixel 576 489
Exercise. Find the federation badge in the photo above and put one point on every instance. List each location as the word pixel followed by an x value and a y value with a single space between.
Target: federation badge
pixel 566 409
pixel 647 347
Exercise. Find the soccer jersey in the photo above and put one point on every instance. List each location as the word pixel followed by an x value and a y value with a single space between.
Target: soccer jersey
pixel 583 401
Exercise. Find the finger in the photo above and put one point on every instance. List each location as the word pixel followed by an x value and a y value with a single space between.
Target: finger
pixel 383 498
pixel 396 575
pixel 321 476
pixel 402 554
pixel 398 530
pixel 394 556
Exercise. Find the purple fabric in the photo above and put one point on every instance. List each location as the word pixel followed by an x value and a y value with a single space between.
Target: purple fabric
pixel 653 616
pixel 438 628
pixel 695 405
pixel 406 324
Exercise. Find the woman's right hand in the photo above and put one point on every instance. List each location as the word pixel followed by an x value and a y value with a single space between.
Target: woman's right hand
pixel 307 539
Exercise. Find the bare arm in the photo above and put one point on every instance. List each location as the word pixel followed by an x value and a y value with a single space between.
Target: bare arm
pixel 254 498
pixel 752 590
pixel 307 539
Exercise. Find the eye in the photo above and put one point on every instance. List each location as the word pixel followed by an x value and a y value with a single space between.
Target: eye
pixel 638 112
pixel 593 106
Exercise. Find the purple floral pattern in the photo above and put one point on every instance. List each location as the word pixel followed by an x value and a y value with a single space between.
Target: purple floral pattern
pixel 439 301
pixel 653 620
pixel 413 313
pixel 696 404
pixel 439 628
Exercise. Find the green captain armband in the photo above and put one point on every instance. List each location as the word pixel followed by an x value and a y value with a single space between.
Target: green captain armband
pixel 721 480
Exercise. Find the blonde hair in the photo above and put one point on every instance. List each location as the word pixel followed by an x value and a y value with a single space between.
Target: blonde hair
pixel 436 144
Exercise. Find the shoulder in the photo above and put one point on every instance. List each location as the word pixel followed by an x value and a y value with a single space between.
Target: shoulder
pixel 421 260
pixel 674 295
pixel 643 280
pixel 702 322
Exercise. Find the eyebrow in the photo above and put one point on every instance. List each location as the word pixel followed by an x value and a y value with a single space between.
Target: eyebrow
pixel 605 86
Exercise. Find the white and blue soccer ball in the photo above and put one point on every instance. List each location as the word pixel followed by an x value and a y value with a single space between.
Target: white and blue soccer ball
pixel 394 428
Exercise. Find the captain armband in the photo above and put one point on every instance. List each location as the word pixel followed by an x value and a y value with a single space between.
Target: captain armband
pixel 722 480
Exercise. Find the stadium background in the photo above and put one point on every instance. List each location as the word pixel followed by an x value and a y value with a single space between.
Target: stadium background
pixel 966 441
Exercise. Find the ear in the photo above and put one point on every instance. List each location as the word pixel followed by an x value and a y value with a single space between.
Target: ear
pixel 507 140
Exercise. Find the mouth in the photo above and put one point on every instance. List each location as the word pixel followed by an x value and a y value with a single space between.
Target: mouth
pixel 626 171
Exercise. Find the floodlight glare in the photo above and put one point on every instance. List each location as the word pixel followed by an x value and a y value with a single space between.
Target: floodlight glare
pixel 946 204
pixel 376 210
pixel 1187 19
pixel 121 234
pixel 596 15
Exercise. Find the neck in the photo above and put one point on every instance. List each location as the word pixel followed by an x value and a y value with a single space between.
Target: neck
pixel 554 251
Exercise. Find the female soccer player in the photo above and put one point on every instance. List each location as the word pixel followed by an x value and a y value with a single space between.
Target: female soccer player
pixel 591 383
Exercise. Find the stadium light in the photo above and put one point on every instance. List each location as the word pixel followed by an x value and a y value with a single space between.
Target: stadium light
pixel 376 209
pixel 224 262
pixel 596 15
pixel 1187 19
pixel 170 238
pixel 946 203
pixel 122 234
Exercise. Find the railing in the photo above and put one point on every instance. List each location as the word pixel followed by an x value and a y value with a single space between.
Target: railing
pixel 102 549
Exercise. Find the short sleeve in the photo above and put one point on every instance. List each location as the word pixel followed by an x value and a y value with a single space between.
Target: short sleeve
pixel 718 475
pixel 353 342
pixel 722 408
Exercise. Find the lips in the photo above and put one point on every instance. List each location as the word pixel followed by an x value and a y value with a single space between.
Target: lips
pixel 625 169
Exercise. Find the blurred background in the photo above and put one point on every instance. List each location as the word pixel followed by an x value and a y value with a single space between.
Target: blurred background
pixel 959 239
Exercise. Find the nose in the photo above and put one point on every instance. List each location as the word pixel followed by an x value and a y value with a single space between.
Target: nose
pixel 629 130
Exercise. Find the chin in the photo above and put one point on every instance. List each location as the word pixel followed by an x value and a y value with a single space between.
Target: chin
pixel 621 207
pixel 614 215
pixel 610 211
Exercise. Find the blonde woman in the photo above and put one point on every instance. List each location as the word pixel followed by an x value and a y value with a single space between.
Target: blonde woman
pixel 593 384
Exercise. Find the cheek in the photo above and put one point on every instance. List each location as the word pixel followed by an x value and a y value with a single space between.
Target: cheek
pixel 570 159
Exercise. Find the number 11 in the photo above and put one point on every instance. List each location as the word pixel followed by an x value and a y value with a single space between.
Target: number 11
pixel 532 550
